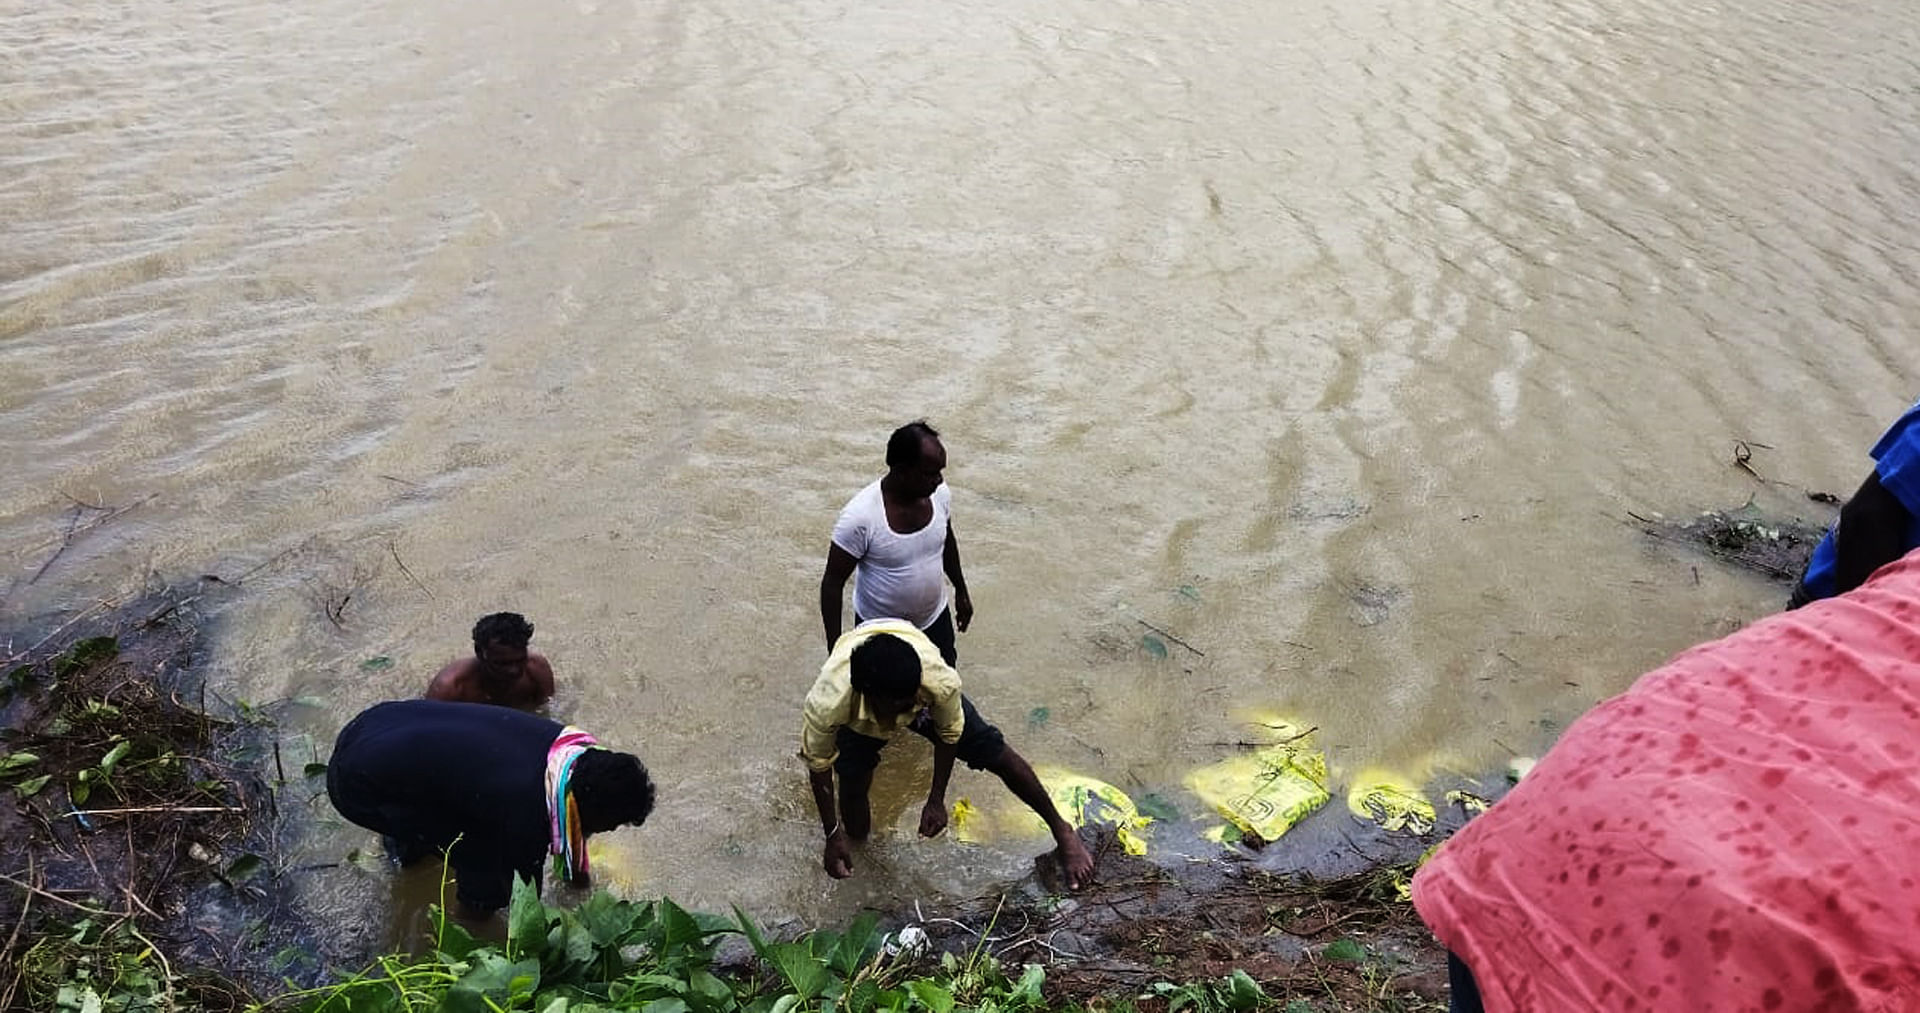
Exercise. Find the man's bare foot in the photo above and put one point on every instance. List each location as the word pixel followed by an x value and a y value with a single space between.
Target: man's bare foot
pixel 1076 862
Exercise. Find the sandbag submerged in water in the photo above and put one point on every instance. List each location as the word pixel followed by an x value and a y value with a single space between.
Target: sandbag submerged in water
pixel 1082 801
pixel 1265 792
pixel 1392 801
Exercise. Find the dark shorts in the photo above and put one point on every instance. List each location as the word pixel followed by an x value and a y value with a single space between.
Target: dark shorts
pixel 941 633
pixel 980 743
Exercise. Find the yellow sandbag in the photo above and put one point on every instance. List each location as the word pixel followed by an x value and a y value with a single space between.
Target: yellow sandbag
pixel 1082 801
pixel 1473 804
pixel 1265 792
pixel 1390 801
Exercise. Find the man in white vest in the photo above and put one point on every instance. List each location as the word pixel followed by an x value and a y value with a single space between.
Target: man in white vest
pixel 895 537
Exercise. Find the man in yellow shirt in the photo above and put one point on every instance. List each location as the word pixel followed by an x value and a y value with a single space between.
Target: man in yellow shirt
pixel 884 675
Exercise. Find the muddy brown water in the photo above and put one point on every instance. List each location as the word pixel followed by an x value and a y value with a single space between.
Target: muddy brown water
pixel 1334 339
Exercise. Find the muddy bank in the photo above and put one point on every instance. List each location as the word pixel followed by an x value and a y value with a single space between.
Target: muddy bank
pixel 136 806
pixel 1144 931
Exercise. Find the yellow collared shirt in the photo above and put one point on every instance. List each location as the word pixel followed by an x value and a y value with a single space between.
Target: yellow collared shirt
pixel 833 704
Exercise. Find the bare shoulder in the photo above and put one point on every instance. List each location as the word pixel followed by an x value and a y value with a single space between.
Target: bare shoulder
pixel 540 670
pixel 450 683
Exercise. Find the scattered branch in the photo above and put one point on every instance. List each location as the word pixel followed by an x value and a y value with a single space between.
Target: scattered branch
pixel 75 528
pixel 1171 637
pixel 394 548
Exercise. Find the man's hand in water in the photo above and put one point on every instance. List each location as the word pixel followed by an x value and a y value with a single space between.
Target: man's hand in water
pixel 933 818
pixel 1075 861
pixel 837 858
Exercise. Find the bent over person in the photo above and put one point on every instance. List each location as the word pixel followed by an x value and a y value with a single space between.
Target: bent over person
pixel 502 670
pixel 496 789
pixel 1735 832
pixel 885 675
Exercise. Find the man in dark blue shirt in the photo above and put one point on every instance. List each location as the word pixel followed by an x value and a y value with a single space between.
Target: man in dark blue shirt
pixel 428 773
pixel 1878 525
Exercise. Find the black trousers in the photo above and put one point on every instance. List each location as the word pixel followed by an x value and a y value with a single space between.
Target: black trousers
pixel 1463 993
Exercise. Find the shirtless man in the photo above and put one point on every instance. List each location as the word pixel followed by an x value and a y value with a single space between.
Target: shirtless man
pixel 501 672
pixel 897 535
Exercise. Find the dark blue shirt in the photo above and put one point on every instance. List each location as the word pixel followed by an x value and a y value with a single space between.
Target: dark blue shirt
pixel 1896 459
pixel 428 772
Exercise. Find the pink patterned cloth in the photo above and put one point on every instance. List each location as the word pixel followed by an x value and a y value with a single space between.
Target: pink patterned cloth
pixel 1739 830
pixel 565 840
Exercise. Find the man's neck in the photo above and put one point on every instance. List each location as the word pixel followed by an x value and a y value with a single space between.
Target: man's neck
pixel 890 489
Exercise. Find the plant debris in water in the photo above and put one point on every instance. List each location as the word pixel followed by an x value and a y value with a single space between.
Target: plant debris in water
pixel 1775 546
pixel 118 802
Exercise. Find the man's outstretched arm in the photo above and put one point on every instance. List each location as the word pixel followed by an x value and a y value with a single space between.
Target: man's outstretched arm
pixel 833 584
pixel 1872 533
pixel 837 858
pixel 933 816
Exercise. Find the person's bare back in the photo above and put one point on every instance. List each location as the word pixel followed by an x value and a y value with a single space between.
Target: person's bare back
pixel 502 671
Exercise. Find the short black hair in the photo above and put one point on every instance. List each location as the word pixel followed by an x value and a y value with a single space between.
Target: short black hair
pixel 612 790
pixel 903 447
pixel 509 628
pixel 885 666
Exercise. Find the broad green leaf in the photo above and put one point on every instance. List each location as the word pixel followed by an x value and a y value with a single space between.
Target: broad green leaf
pixel 932 996
pixel 607 918
pixel 655 986
pixel 1243 993
pixel 13 763
pixel 785 1003
pixel 1154 647
pixel 31 786
pixel 860 943
pixel 703 983
pixel 458 999
pixel 671 1005
pixel 752 932
pixel 802 970
pixel 676 927
pixel 315 769
pixel 243 867
pixel 558 1005
pixel 575 942
pixel 495 976
pixel 526 921
pixel 862 997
